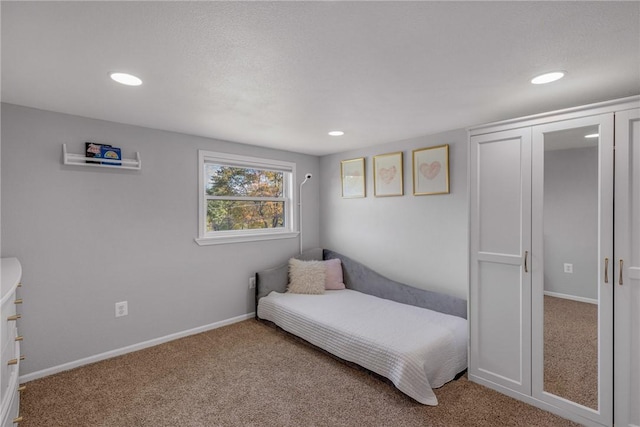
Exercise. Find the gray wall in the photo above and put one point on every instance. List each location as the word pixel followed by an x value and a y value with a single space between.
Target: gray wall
pixel 89 237
pixel 571 221
pixel 418 240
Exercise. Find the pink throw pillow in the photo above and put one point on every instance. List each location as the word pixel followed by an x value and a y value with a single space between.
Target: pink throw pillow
pixel 333 278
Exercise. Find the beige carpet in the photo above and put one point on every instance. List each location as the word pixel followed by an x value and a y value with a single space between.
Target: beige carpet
pixel 571 350
pixel 251 374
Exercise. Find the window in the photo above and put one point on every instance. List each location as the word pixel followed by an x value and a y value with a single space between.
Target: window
pixel 244 199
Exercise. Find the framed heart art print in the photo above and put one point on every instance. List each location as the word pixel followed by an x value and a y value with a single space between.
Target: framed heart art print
pixel 387 175
pixel 431 170
pixel 353 178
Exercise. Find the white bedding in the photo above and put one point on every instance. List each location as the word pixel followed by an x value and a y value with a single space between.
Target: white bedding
pixel 417 349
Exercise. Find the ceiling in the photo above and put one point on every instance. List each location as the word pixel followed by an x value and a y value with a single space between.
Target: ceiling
pixel 283 74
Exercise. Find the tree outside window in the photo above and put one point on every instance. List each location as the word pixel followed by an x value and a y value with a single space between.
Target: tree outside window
pixel 244 198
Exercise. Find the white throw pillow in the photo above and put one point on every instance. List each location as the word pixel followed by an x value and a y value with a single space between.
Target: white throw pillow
pixel 306 277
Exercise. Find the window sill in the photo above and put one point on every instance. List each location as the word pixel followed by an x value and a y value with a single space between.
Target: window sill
pixel 223 240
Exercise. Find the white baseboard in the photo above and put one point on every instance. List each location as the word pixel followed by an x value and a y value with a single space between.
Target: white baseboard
pixel 571 297
pixel 131 348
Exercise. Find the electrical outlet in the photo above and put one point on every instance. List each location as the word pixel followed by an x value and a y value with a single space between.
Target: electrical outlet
pixel 122 309
pixel 568 268
pixel 252 282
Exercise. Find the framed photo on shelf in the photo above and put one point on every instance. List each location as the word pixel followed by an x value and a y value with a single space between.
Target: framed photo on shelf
pixel 387 175
pixel 353 178
pixel 431 170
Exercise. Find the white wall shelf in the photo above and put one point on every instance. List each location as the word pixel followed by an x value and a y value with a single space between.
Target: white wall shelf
pixel 81 160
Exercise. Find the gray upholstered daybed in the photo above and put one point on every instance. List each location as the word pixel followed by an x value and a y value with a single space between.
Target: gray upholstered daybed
pixel 415 338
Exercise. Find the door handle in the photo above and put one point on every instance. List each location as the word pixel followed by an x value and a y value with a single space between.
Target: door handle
pixel 620 273
pixel 606 270
pixel 526 256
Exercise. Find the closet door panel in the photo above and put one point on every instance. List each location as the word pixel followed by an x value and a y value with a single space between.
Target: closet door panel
pixel 500 190
pixel 627 278
pixel 499 335
pixel 500 288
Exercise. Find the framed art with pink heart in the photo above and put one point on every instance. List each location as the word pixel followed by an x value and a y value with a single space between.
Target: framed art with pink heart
pixel 431 170
pixel 353 178
pixel 388 175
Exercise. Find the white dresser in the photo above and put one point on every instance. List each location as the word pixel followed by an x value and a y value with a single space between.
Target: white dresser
pixel 10 356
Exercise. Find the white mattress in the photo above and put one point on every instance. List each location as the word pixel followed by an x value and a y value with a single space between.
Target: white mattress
pixel 417 349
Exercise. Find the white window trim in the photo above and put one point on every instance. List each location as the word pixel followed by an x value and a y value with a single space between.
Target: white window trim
pixel 231 236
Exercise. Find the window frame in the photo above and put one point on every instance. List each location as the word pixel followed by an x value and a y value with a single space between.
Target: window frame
pixel 248 235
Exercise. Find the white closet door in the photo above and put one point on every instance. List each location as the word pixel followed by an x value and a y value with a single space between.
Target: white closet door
pixel 627 278
pixel 591 251
pixel 500 286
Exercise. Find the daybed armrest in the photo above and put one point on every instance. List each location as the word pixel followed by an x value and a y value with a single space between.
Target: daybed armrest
pixel 363 279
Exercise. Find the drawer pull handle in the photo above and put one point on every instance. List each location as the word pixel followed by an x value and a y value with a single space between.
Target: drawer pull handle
pixel 17 420
pixel 18 301
pixel 14 317
pixel 19 338
pixel 22 388
pixel 19 285
pixel 15 361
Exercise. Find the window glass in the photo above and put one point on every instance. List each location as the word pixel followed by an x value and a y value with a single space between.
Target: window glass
pixel 243 182
pixel 242 215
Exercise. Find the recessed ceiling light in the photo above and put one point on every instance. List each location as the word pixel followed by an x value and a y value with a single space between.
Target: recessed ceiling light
pixel 592 135
pixel 336 133
pixel 548 77
pixel 125 79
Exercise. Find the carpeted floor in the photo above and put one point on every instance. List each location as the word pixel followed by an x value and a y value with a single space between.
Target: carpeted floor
pixel 251 374
pixel 571 350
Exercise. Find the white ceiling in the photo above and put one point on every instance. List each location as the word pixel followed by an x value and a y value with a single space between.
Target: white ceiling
pixel 282 74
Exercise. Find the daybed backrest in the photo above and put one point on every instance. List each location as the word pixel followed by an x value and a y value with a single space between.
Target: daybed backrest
pixel 363 279
pixel 277 278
